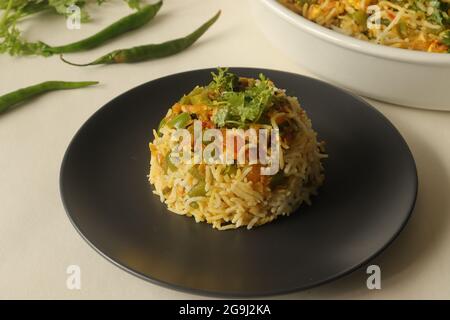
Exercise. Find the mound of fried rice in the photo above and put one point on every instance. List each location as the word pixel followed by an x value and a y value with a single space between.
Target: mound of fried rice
pixel 235 196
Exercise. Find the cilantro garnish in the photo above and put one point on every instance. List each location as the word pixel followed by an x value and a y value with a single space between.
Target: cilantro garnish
pixel 239 107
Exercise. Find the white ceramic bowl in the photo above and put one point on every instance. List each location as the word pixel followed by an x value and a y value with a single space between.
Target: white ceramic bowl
pixel 400 76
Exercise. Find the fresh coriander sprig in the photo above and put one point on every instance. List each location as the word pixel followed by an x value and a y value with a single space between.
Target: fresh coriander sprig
pixel 240 107
pixel 11 38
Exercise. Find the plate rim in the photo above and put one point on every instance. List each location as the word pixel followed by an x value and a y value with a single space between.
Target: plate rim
pixel 219 294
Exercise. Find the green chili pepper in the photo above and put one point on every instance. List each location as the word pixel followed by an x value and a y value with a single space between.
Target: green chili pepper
pixel 230 169
pixel 302 2
pixel 186 99
pixel 360 17
pixel 9 100
pixel 402 28
pixel 201 98
pixel 161 124
pixel 385 21
pixel 151 51
pixel 194 205
pixel 197 96
pixel 180 121
pixel 169 163
pixel 128 23
pixel 198 190
pixel 196 174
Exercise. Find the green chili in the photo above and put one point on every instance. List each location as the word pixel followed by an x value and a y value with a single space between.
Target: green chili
pixel 180 121
pixel 196 173
pixel 360 17
pixel 169 163
pixel 402 28
pixel 161 124
pixel 198 190
pixel 9 100
pixel 201 98
pixel 385 21
pixel 151 51
pixel 128 23
pixel 194 205
pixel 230 169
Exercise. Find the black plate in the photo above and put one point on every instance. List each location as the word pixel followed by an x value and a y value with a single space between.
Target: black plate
pixel 368 195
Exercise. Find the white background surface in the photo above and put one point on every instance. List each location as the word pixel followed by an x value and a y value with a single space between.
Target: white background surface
pixel 37 241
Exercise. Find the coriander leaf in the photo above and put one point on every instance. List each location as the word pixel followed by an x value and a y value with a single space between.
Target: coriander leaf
pixel 220 117
pixel 15 45
pixel 223 81
pixel 435 15
pixel 446 40
pixel 12 12
pixel 242 107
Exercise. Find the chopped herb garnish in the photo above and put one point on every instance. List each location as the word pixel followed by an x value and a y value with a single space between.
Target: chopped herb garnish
pixel 446 40
pixel 239 108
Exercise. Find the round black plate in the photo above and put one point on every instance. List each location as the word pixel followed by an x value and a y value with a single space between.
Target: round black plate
pixel 368 195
